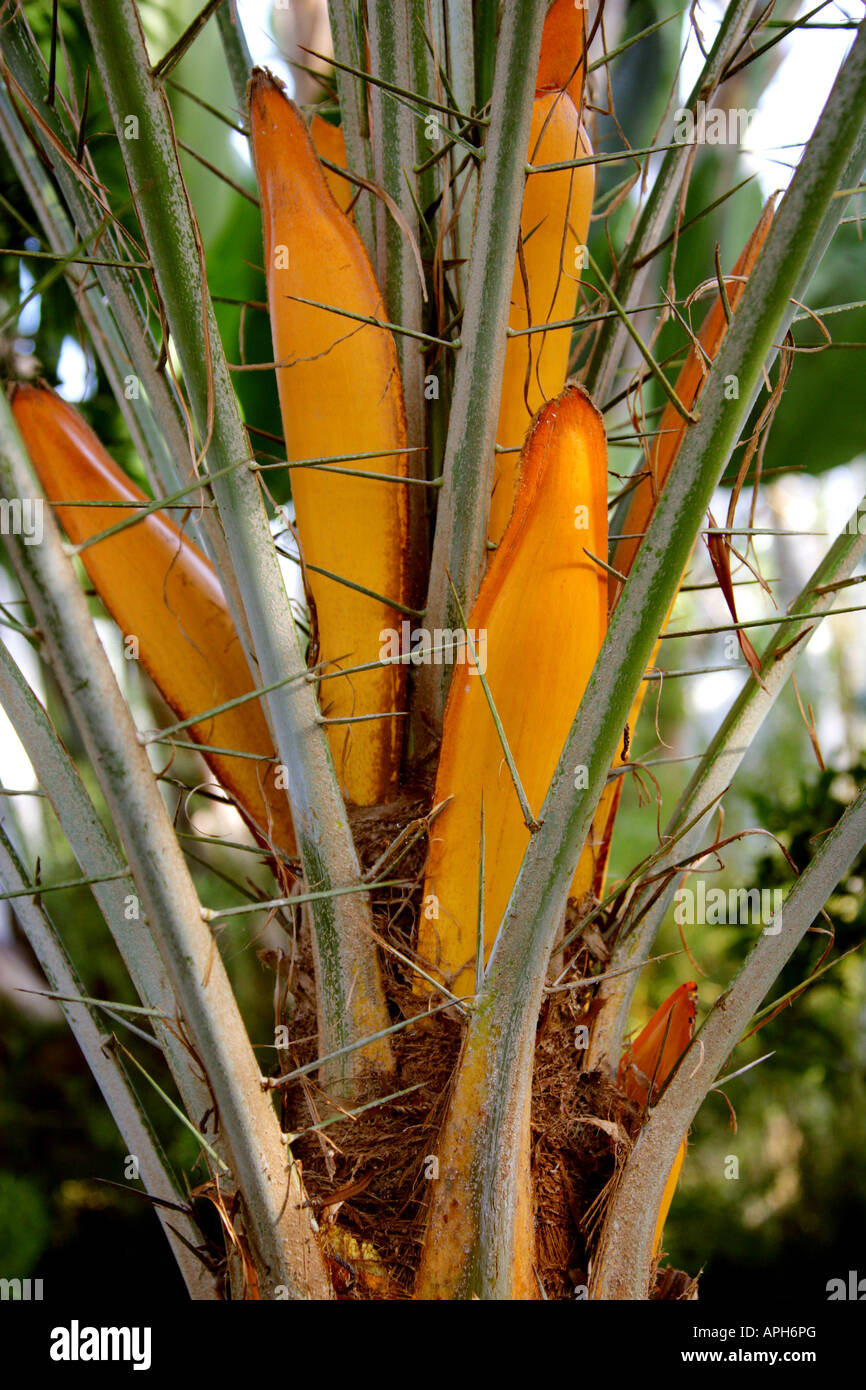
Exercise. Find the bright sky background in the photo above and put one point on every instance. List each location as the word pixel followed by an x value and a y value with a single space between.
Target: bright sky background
pixel 794 99
pixel 255 16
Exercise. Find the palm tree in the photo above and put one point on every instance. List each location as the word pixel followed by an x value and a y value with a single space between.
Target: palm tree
pixel 453 979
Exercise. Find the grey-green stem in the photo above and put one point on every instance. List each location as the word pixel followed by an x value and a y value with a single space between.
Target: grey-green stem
pixel 460 544
pixel 350 995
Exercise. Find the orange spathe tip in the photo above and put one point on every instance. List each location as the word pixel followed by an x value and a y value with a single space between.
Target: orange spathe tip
pixel 560 65
pixel 650 1058
pixel 648 1061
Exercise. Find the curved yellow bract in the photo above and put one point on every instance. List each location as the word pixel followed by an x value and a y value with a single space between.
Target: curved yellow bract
pixel 159 588
pixel 340 395
pixel 540 618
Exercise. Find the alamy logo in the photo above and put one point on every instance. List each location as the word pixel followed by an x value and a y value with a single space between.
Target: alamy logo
pixel 75 1343
pixel 713 907
pixel 21 1290
pixel 22 516
pixel 441 646
pixel 713 125
pixel 854 1289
